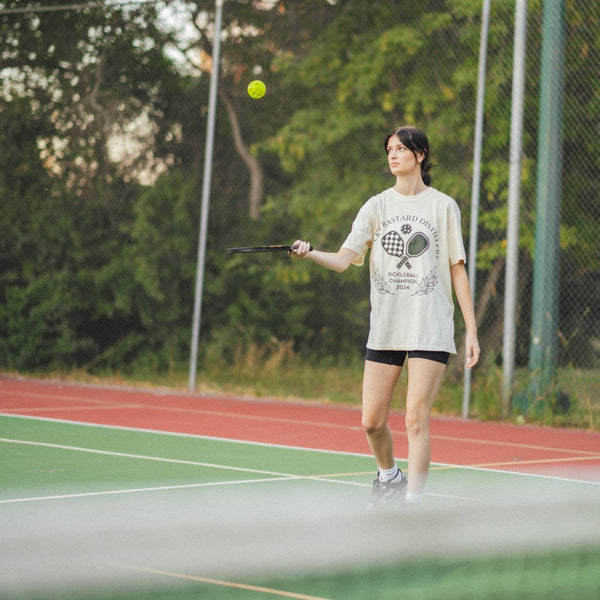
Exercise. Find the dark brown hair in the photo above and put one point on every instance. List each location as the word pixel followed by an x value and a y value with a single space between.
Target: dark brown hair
pixel 416 141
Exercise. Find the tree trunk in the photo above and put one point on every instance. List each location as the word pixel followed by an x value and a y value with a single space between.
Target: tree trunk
pixel 254 167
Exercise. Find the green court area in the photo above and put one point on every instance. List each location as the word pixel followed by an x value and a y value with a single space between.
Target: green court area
pixel 104 513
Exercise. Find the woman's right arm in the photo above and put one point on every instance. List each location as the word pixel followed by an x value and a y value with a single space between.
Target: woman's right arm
pixel 336 261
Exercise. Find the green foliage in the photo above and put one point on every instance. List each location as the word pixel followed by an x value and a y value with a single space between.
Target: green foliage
pixel 384 77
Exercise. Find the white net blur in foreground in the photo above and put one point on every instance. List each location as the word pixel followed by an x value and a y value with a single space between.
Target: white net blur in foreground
pixel 268 530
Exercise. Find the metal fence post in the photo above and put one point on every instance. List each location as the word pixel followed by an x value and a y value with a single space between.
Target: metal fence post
pixel 206 181
pixel 544 322
pixel 514 198
pixel 476 183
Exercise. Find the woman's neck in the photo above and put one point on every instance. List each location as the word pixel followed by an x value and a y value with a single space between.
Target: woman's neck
pixel 409 186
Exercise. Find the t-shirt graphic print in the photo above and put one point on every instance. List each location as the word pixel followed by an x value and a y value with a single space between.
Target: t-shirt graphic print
pixel 407 244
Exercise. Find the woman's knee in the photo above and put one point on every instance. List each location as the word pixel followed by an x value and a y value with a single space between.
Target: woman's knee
pixel 417 423
pixel 372 424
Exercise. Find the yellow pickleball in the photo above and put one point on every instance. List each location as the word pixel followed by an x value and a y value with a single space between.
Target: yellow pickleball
pixel 256 89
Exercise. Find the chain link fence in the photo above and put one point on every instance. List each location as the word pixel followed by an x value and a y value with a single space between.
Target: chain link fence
pixel 103 123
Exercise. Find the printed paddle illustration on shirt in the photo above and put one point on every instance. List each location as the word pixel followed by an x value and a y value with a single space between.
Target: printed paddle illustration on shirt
pixel 394 245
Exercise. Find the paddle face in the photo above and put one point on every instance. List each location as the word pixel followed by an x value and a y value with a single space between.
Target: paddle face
pixel 271 248
pixel 393 244
pixel 417 244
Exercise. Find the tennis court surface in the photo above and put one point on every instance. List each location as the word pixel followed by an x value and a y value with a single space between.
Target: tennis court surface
pixel 122 493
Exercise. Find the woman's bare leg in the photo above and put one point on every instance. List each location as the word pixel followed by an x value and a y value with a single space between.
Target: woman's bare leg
pixel 424 380
pixel 378 388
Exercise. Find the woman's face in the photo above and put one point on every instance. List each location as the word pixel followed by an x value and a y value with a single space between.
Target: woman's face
pixel 401 160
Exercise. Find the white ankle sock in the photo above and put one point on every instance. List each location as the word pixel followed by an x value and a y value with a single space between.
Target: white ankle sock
pixel 412 498
pixel 388 474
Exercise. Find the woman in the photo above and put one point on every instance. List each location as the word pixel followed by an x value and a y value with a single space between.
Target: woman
pixel 417 258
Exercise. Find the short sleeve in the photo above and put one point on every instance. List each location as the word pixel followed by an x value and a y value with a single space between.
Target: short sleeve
pixel 456 247
pixel 360 238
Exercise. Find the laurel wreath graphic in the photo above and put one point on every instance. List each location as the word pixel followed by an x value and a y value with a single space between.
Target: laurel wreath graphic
pixel 427 284
pixel 380 283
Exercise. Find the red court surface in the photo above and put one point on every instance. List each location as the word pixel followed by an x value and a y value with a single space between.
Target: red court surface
pixel 515 448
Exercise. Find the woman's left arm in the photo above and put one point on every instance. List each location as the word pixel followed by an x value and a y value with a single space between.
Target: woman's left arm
pixel 460 283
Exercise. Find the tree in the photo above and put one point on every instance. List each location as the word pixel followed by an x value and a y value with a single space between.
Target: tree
pixel 73 83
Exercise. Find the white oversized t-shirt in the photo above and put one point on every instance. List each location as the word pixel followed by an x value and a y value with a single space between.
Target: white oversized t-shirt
pixel 414 241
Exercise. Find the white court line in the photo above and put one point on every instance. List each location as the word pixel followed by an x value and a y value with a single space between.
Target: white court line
pixel 145 457
pixel 481 467
pixel 274 476
pixel 143 490
pixel 196 436
pixel 181 461
pixel 271 445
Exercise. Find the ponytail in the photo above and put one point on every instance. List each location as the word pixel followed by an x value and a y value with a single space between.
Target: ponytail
pixel 426 166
